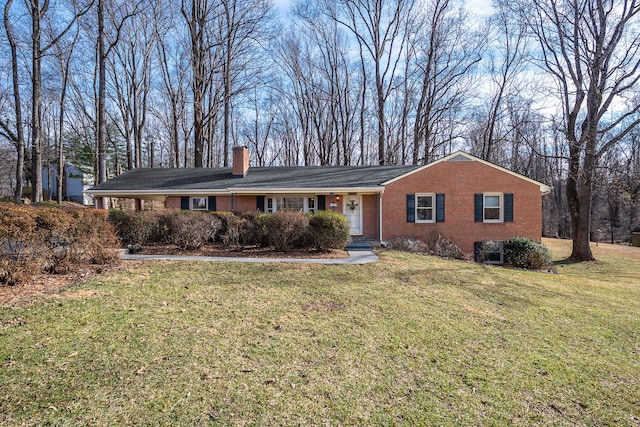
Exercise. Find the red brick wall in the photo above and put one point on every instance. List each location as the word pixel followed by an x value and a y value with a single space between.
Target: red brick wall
pixel 245 204
pixel 370 216
pixel 223 203
pixel 172 203
pixel 459 181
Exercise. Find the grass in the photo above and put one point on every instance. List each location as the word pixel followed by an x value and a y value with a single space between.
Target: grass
pixel 411 340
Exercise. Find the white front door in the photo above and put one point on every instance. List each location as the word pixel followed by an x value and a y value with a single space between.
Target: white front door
pixel 352 208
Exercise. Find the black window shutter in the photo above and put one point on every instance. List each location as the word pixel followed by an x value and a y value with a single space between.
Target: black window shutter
pixel 322 202
pixel 508 207
pixel 478 202
pixel 439 207
pixel 260 203
pixel 211 206
pixel 184 203
pixel 411 208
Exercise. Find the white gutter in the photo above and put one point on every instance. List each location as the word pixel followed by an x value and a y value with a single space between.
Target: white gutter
pixel 320 190
pixel 231 191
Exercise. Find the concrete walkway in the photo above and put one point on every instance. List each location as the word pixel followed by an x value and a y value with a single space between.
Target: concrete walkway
pixel 355 257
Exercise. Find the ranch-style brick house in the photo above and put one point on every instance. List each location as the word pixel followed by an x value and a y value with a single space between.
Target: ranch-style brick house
pixel 461 197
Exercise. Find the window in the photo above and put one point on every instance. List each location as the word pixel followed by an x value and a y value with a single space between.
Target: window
pixel 199 203
pixel 492 208
pixel 292 204
pixel 425 208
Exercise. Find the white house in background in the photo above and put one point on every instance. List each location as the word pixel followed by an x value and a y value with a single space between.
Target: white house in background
pixel 73 186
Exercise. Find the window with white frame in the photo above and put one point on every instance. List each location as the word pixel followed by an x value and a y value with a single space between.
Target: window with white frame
pixel 425 208
pixel 199 203
pixel 292 204
pixel 492 207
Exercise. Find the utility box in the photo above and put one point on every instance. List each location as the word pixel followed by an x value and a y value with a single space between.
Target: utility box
pixel 635 239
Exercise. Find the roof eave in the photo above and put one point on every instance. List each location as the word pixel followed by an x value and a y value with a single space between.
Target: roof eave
pixel 230 191
pixel 315 190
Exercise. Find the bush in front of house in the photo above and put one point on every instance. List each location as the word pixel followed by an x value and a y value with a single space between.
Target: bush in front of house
pixel 526 253
pixel 18 240
pixel 190 230
pixel 436 245
pixel 54 228
pixel 286 229
pixel 254 230
pixel 93 237
pixel 445 248
pixel 329 230
pixel 52 240
pixel 135 228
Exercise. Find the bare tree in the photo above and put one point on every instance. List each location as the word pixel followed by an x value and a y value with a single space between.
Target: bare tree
pixel 174 71
pixel 199 15
pixel 380 28
pixel 63 56
pixel 16 137
pixel 506 66
pixel 37 11
pixel 446 52
pixel 591 48
pixel 118 15
pixel 131 76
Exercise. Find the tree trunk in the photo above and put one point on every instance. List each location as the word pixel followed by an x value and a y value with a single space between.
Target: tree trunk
pixel 36 104
pixel 102 111
pixel 18 104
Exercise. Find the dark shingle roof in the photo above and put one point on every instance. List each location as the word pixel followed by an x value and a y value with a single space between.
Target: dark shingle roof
pixel 299 177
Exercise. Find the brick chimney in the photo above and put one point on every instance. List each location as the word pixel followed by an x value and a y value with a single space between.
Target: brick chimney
pixel 240 161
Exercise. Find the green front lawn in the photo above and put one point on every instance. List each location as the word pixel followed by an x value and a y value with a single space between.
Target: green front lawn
pixel 411 340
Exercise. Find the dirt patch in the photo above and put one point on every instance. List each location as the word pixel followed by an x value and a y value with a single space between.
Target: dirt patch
pixel 216 250
pixel 45 285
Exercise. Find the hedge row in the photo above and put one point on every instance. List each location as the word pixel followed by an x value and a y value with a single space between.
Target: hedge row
pixel 37 239
pixel 324 230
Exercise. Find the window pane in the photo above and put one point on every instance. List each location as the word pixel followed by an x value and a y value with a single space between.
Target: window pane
pixel 491 201
pixel 292 204
pixel 425 214
pixel 199 203
pixel 425 201
pixel 492 213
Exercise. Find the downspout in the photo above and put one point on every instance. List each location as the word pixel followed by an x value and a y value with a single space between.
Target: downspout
pixel 380 213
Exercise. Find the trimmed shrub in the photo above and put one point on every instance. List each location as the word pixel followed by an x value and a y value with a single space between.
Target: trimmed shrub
pixel 18 240
pixel 225 217
pixel 329 230
pixel 137 228
pixel 254 229
pixel 526 253
pixel 286 229
pixel 95 238
pixel 53 227
pixel 234 226
pixel 190 230
pixel 437 245
pixel 406 244
pixel 445 248
pixel 52 239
